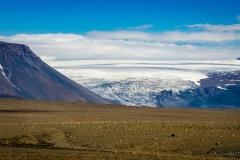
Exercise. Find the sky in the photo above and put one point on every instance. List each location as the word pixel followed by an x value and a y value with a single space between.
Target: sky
pixel 124 29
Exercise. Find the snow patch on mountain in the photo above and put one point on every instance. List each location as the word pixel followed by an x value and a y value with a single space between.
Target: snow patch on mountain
pixel 230 84
pixel 8 78
pixel 3 72
pixel 219 87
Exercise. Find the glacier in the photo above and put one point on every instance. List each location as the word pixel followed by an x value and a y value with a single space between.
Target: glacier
pixel 136 82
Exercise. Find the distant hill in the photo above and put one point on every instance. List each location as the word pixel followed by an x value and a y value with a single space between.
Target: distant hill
pixel 24 75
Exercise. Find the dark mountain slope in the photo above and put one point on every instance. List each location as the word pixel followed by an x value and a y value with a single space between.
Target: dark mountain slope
pixel 25 75
pixel 219 90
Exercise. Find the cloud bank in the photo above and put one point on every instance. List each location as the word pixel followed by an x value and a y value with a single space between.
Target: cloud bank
pixel 217 28
pixel 142 27
pixel 209 42
pixel 172 37
pixel 238 17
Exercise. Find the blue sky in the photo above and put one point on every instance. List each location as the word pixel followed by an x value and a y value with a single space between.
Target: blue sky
pixel 78 16
pixel 134 29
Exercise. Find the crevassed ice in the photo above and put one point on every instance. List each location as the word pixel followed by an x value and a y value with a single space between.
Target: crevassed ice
pixel 136 89
pixel 136 82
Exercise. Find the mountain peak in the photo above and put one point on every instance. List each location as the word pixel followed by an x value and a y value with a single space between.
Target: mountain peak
pixel 7 44
pixel 14 48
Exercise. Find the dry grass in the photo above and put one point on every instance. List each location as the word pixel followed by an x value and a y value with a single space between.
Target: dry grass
pixel 61 130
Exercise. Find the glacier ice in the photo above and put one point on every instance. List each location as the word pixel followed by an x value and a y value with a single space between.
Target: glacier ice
pixel 138 82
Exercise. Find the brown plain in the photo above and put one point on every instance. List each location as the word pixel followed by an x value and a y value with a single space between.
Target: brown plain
pixel 74 130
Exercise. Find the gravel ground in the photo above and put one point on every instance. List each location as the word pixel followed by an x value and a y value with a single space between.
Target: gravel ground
pixel 72 130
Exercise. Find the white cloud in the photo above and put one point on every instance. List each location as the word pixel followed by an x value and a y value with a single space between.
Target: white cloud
pixel 130 44
pixel 142 27
pixel 48 58
pixel 238 17
pixel 218 28
pixel 174 36
pixel 72 46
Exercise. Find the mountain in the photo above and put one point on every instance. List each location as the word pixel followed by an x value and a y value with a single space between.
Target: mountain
pixel 24 75
pixel 219 90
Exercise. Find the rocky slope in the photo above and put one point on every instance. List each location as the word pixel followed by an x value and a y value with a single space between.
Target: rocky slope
pixel 25 75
